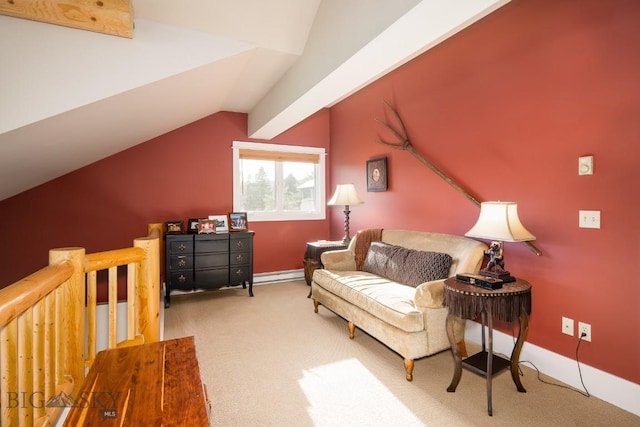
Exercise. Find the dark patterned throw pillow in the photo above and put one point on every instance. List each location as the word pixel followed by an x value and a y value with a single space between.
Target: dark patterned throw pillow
pixel 408 266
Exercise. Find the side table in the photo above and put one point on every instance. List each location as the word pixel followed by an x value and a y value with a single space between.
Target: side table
pixel 312 260
pixel 511 302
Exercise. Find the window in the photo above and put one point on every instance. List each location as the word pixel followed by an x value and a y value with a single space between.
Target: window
pixel 273 182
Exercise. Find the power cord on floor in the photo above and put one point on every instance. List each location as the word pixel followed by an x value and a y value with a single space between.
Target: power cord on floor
pixel 584 393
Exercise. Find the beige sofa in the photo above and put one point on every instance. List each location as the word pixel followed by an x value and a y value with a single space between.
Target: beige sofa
pixel 409 320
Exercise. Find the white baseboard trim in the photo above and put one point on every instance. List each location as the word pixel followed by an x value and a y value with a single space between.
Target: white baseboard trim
pixel 278 276
pixel 615 390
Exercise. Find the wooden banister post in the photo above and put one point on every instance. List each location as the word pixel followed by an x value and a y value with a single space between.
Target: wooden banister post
pixel 71 310
pixel 148 289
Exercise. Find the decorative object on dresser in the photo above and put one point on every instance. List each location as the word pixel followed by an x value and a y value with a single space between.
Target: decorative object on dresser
pixel 206 226
pixel 174 227
pixel 499 222
pixel 192 226
pixel 345 195
pixel 377 174
pixel 238 221
pixel 208 262
pixel 220 223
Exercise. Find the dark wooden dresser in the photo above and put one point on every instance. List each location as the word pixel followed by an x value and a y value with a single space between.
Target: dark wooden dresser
pixel 208 261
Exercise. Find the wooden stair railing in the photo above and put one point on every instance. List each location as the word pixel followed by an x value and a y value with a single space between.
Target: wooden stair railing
pixel 42 325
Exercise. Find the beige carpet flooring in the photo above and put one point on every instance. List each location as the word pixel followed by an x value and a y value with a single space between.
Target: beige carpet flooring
pixel 271 361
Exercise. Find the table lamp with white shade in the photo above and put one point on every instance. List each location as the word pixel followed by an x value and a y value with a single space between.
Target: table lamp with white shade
pixel 345 195
pixel 499 222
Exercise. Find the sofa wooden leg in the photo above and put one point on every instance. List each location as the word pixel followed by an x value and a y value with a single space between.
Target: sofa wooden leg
pixel 352 330
pixel 462 347
pixel 408 366
pixel 315 305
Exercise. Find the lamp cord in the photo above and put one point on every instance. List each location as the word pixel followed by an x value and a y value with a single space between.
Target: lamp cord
pixel 584 393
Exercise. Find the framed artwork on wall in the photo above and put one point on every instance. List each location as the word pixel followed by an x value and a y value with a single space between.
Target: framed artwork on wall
pixel 238 221
pixel 377 174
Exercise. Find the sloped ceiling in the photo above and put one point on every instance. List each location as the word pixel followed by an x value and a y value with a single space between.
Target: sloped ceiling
pixel 71 97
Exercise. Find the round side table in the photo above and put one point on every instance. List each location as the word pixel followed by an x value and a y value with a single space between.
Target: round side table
pixel 510 303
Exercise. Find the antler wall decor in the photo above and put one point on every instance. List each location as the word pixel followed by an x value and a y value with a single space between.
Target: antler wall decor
pixel 404 144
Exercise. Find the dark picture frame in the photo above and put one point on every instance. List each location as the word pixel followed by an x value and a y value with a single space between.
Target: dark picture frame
pixel 174 227
pixel 192 225
pixel 206 226
pixel 377 174
pixel 238 221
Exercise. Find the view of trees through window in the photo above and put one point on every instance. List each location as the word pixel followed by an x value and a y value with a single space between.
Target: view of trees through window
pixel 269 185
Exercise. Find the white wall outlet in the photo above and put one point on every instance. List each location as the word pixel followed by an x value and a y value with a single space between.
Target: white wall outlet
pixel 584 328
pixel 585 165
pixel 589 219
pixel 567 326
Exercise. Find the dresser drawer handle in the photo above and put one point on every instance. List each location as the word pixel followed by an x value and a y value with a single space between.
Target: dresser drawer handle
pixel 239 272
pixel 182 279
pixel 182 247
pixel 240 244
pixel 182 263
pixel 240 257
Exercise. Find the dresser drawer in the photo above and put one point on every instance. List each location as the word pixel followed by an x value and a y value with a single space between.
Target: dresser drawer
pixel 182 280
pixel 211 245
pixel 211 279
pixel 211 260
pixel 239 274
pixel 239 258
pixel 180 262
pixel 239 244
pixel 179 245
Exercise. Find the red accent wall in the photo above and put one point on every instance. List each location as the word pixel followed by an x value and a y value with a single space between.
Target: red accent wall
pixel 186 173
pixel 505 108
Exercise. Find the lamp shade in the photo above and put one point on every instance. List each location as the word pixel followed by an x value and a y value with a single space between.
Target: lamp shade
pixel 345 194
pixel 500 221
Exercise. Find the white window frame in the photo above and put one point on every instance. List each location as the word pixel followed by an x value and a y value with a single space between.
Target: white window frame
pixel 257 216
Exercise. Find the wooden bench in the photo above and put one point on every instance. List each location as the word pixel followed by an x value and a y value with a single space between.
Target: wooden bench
pixel 149 384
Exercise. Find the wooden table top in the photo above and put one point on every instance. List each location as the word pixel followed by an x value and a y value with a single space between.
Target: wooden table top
pixel 146 385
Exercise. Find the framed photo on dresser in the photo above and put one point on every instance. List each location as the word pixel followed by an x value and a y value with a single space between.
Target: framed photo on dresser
pixel 238 221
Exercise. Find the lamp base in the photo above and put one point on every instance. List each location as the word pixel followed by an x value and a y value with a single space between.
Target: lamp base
pixel 503 275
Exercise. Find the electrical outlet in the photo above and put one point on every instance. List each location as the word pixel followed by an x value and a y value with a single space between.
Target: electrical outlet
pixel 567 326
pixel 584 328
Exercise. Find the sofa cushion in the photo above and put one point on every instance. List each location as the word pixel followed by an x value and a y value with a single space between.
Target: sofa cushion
pixel 408 266
pixel 389 301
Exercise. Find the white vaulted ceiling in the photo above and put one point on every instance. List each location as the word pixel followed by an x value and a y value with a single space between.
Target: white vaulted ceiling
pixel 70 97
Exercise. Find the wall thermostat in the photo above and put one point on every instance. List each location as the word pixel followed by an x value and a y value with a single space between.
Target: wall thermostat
pixel 585 165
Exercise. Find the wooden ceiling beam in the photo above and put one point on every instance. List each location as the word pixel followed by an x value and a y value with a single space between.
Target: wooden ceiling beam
pixel 114 17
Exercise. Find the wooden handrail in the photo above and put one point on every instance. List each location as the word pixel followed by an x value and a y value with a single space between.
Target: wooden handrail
pixel 42 323
pixel 16 298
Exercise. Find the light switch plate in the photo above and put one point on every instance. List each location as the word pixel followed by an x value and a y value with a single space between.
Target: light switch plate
pixel 589 219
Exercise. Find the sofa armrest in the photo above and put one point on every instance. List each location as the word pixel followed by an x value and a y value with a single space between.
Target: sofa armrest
pixel 339 260
pixel 430 294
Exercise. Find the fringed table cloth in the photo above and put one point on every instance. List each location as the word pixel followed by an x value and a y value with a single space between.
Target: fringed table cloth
pixel 510 303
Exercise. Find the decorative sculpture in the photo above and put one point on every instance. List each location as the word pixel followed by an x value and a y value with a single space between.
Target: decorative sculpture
pixel 404 144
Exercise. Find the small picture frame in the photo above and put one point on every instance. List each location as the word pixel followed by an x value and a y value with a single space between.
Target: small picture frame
pixel 220 222
pixel 192 225
pixel 377 174
pixel 174 227
pixel 206 226
pixel 238 221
